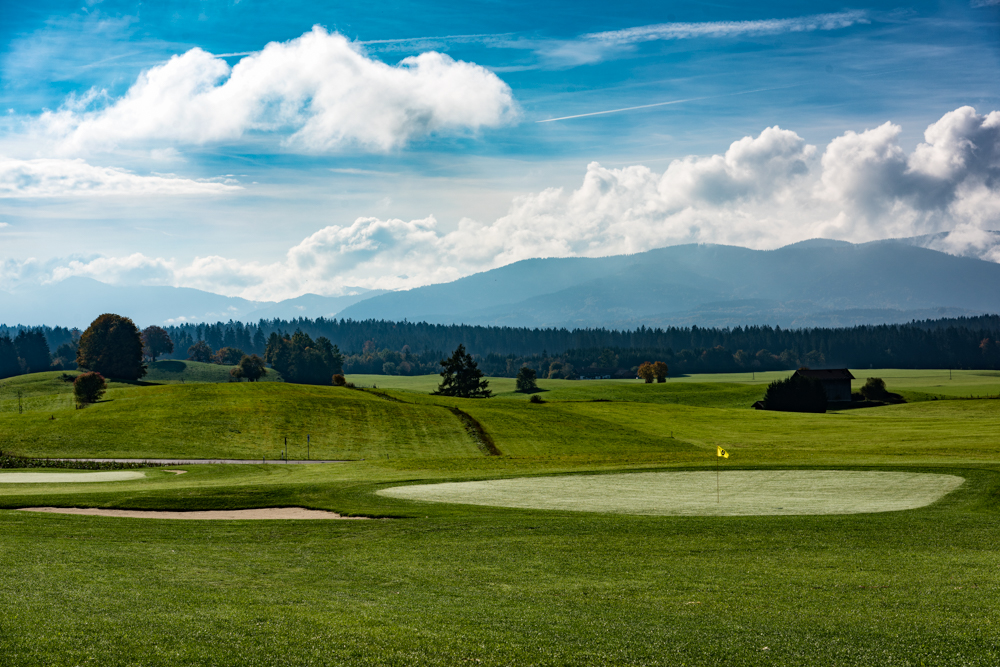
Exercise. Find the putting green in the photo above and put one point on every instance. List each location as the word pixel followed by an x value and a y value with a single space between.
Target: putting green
pixel 741 492
pixel 68 477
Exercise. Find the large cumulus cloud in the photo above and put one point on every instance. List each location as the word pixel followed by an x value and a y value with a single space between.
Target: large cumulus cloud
pixel 762 192
pixel 320 91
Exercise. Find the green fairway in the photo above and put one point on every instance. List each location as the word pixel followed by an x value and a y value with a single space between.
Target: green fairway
pixel 747 492
pixel 581 566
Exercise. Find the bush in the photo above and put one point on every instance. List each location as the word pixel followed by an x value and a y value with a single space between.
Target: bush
pixel 535 399
pixel 339 380
pixel 250 367
pixel 112 346
pixel 89 387
pixel 874 389
pixel 796 394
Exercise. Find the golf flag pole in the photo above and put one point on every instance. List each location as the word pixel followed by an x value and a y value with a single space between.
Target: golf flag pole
pixel 720 453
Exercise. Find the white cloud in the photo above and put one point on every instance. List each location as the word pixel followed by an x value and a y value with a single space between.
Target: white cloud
pixel 763 192
pixel 730 28
pixel 60 178
pixel 597 46
pixel 319 91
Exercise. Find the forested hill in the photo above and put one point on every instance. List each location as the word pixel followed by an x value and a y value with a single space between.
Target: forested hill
pixel 411 348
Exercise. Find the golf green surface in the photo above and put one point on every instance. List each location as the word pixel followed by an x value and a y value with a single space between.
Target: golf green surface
pixel 68 477
pixel 701 493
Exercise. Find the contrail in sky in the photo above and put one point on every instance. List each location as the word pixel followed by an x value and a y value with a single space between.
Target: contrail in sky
pixel 661 104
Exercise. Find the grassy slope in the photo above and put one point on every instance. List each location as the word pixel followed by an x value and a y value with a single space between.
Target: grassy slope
pixel 234 420
pixel 447 584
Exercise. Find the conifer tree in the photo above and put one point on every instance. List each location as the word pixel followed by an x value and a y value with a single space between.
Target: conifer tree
pixel 461 377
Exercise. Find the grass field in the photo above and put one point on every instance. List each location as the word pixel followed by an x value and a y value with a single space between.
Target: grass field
pixel 445 583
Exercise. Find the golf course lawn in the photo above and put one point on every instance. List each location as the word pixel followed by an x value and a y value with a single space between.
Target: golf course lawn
pixel 861 537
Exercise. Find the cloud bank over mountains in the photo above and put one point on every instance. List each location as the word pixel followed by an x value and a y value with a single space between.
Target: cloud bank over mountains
pixel 762 192
pixel 320 92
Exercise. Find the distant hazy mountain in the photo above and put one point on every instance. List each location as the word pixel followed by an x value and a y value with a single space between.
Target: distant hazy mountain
pixel 77 301
pixel 813 283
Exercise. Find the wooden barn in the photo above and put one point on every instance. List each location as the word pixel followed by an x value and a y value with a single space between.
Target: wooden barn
pixel 836 382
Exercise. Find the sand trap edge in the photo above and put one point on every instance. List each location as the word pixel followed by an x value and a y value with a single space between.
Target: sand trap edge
pixel 260 514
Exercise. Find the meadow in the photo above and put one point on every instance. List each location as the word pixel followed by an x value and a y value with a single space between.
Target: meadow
pixel 444 583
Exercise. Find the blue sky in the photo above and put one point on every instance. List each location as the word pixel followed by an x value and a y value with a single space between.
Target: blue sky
pixel 328 162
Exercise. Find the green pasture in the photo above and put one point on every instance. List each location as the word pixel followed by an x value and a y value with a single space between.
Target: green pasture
pixel 717 389
pixel 175 370
pixel 446 583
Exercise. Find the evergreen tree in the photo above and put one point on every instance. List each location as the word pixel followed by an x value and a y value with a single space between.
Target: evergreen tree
pixel 10 365
pixel 302 360
pixel 33 350
pixel 461 377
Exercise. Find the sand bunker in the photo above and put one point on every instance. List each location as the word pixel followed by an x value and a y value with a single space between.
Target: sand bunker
pixel 742 492
pixel 217 515
pixel 68 477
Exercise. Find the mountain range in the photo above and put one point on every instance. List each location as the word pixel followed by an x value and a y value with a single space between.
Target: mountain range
pixel 812 283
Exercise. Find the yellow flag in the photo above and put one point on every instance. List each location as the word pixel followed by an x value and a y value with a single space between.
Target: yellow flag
pixel 723 453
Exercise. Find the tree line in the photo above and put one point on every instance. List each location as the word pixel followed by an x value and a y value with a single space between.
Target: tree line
pixel 416 348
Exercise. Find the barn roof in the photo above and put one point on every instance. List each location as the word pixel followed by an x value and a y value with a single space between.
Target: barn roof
pixel 826 373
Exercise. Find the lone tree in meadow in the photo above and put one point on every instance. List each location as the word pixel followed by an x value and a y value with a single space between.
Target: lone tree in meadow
pixel 156 341
pixel 660 370
pixel 461 377
pixel 251 368
pixel 200 351
pixel 796 394
pixel 112 346
pixel 89 387
pixel 526 380
pixel 646 372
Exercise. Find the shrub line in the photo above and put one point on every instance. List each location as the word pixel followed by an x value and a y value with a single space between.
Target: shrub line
pixel 8 460
pixel 476 430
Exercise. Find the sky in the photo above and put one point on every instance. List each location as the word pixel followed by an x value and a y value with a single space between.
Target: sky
pixel 268 150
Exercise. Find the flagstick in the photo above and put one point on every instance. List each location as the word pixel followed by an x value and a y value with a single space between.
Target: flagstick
pixel 718 493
